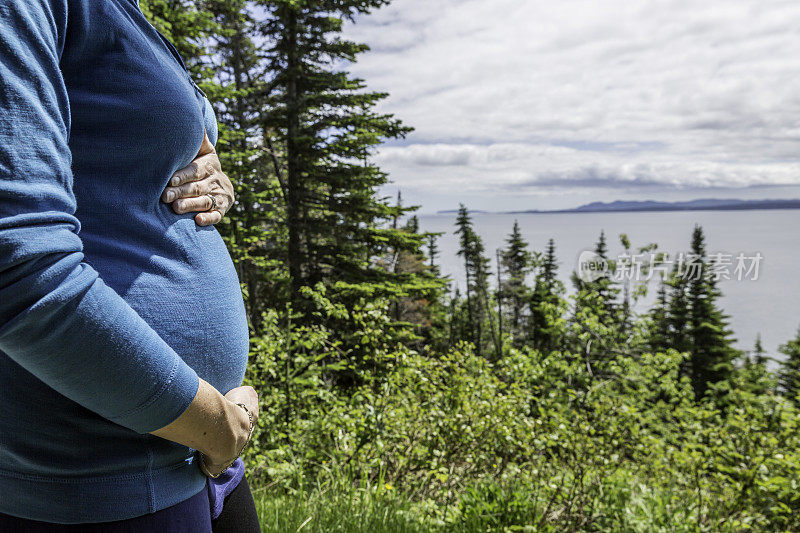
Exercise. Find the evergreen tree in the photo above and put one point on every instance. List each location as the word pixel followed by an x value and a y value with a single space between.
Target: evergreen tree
pixel 699 322
pixel 759 354
pixel 603 285
pixel 433 250
pixel 712 351
pixel 466 238
pixel 678 314
pixel 753 375
pixel 517 263
pixel 628 284
pixel 545 303
pixel 669 316
pixel 687 317
pixel 597 322
pixel 326 126
pixel 789 373
pixel 476 271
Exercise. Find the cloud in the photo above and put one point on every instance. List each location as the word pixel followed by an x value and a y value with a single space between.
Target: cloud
pixel 508 96
pixel 527 168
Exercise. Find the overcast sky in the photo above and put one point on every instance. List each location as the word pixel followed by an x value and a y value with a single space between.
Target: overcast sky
pixel 532 104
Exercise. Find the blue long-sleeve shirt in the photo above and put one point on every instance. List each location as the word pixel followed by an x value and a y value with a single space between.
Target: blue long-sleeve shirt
pixel 111 305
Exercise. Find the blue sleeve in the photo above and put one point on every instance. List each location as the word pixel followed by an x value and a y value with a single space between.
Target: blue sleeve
pixel 58 320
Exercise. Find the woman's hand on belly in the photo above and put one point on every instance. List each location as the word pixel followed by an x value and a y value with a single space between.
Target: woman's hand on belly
pixel 248 396
pixel 214 424
pixel 190 188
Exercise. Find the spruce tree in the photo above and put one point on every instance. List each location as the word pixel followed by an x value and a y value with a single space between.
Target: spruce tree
pixel 752 375
pixel 476 271
pixel 711 346
pixel 602 285
pixel 789 373
pixel 433 250
pixel 466 238
pixel 543 331
pixel 326 127
pixel 517 263
pixel 759 354
pixel 597 320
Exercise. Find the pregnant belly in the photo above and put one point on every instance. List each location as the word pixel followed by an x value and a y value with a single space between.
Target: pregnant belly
pixel 182 282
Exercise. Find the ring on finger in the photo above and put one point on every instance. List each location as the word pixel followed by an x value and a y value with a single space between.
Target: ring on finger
pixel 213 202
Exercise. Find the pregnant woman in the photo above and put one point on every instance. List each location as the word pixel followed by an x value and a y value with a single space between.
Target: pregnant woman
pixel 123 336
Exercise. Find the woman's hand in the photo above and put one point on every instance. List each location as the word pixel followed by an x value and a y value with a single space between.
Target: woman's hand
pixel 189 187
pixel 214 425
pixel 248 396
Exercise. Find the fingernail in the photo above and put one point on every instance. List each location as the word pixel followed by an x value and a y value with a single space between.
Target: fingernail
pixel 170 196
pixel 176 180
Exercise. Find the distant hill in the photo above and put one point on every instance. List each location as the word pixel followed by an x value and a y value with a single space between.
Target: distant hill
pixel 455 211
pixel 703 204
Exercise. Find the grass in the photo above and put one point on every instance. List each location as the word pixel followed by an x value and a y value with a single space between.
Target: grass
pixel 625 506
pixel 350 510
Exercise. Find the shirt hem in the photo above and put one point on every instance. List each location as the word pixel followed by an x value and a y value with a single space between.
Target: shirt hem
pixel 83 500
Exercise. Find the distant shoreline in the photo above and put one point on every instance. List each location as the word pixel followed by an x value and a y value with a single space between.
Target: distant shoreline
pixel 653 206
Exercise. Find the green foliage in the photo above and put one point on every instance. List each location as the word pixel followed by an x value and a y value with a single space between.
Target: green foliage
pixel 600 294
pixel 533 440
pixel 183 22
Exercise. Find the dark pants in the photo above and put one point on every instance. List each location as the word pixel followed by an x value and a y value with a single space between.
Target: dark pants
pixel 190 516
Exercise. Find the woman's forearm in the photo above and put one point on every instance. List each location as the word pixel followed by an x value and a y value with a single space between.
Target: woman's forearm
pixel 212 424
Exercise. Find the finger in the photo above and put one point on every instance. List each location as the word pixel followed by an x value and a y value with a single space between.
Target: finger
pixel 190 172
pixel 187 190
pixel 186 205
pixel 202 166
pixel 208 218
